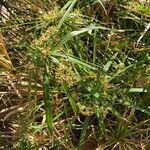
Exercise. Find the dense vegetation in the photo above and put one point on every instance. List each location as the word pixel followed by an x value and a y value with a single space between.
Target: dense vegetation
pixel 75 75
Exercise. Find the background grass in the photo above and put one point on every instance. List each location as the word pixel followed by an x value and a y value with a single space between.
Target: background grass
pixel 81 74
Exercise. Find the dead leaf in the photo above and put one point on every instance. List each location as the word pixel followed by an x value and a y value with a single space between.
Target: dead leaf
pixel 5 61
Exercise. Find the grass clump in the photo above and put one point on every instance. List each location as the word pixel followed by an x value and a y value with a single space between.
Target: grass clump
pixel 87 75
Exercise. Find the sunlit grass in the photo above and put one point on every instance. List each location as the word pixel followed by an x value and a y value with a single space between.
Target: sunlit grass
pixel 88 75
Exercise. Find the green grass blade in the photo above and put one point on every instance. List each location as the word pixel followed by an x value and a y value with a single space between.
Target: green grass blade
pixel 82 63
pixel 76 60
pixel 136 90
pixel 94 51
pixel 130 104
pixel 67 5
pixel 107 66
pixel 146 111
pixel 67 13
pixel 47 102
pixel 70 97
pixel 78 32
pixel 101 124
pixel 83 134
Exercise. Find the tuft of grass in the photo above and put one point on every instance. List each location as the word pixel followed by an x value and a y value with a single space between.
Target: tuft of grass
pixel 82 74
